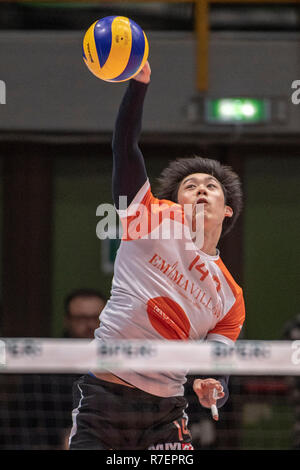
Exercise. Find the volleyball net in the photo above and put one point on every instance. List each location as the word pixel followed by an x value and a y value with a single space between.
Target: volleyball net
pixel 263 411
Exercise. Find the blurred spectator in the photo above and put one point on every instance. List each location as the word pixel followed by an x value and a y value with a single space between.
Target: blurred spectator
pixel 291 332
pixel 82 310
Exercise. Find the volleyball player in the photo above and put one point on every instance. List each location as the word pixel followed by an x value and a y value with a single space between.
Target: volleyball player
pixel 164 288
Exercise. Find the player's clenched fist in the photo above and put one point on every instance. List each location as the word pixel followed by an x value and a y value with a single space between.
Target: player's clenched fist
pixel 204 389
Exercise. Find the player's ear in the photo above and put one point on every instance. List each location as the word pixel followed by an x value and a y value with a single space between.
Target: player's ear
pixel 228 211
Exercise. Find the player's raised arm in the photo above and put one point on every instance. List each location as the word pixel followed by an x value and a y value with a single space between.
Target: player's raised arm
pixel 129 172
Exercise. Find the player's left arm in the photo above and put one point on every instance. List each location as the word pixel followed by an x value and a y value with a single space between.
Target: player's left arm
pixel 226 332
pixel 212 391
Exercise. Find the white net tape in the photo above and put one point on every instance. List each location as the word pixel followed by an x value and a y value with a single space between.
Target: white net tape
pixel 38 355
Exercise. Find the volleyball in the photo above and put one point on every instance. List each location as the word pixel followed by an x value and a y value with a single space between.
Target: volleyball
pixel 115 48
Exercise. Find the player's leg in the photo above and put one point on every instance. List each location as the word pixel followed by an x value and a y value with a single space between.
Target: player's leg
pixel 178 438
pixel 106 415
pixel 86 432
pixel 169 430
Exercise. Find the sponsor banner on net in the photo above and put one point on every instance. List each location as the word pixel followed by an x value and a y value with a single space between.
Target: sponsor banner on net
pixel 71 355
pixel 242 358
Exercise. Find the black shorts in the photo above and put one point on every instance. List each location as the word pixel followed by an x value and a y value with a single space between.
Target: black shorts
pixel 112 416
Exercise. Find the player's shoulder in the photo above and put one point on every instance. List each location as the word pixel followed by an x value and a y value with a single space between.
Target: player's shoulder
pixel 146 196
pixel 235 287
pixel 164 206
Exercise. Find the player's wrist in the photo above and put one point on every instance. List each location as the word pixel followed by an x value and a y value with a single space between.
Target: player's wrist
pixel 144 75
pixel 144 80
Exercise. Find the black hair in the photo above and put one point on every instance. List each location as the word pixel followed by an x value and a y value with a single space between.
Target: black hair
pixel 84 292
pixel 172 176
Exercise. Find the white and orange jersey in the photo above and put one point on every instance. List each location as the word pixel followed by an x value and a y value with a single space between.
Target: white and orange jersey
pixel 162 290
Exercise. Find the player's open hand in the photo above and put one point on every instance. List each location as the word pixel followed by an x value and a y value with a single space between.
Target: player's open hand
pixel 204 389
pixel 144 75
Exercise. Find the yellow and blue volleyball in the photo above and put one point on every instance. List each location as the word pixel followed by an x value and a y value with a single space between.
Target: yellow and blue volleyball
pixel 115 48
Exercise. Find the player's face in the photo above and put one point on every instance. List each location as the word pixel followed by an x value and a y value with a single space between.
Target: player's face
pixel 83 316
pixel 201 188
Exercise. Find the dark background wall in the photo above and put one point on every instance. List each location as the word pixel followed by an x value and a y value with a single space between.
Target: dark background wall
pixel 271 231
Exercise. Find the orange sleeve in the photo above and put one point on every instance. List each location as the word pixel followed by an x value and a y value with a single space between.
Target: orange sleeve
pixel 147 213
pixel 230 326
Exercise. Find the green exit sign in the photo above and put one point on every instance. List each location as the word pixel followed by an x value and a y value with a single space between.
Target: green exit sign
pixel 237 110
